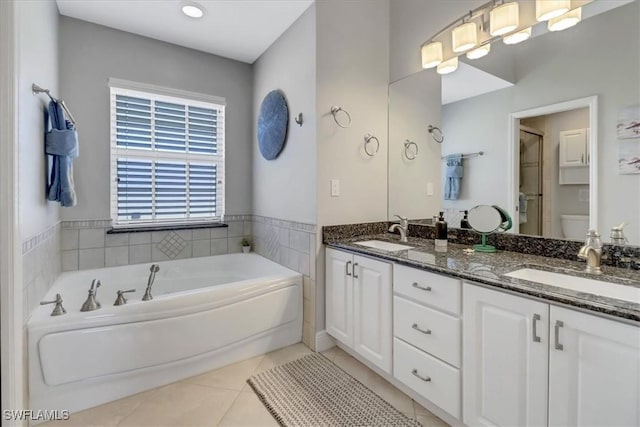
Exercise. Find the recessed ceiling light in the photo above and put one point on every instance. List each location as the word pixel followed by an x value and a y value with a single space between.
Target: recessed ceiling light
pixel 192 10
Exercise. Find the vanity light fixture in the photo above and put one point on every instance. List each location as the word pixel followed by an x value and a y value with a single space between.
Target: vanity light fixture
pixel 448 66
pixel 504 19
pixel 479 52
pixel 464 37
pixel 547 9
pixel 517 37
pixel 431 54
pixel 192 9
pixel 565 21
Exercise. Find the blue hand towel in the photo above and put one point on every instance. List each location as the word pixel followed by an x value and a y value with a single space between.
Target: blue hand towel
pixel 453 177
pixel 522 207
pixel 61 142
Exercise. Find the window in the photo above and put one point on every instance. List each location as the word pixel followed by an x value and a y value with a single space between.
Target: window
pixel 167 155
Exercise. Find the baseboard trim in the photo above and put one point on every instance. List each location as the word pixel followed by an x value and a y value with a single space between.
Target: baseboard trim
pixel 324 341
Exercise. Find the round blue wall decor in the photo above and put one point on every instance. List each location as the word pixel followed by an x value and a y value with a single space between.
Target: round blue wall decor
pixel 272 124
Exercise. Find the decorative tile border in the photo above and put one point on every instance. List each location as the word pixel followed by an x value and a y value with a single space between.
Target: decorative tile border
pixel 310 228
pixel 35 241
pixel 92 223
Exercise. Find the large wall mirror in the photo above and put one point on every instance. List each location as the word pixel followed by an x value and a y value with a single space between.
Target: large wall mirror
pixel 544 113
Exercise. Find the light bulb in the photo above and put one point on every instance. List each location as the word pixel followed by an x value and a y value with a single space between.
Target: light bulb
pixel 479 52
pixel 431 54
pixel 504 19
pixel 565 21
pixel 448 66
pixel 464 36
pixel 193 10
pixel 518 37
pixel 547 9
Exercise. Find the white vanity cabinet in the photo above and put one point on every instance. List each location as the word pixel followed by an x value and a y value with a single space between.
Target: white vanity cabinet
pixel 530 363
pixel 358 305
pixel 594 371
pixel 427 335
pixel 506 345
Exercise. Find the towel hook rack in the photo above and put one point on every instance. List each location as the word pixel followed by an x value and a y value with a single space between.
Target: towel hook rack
pixel 367 139
pixel 407 145
pixel 335 110
pixel 37 89
pixel 436 133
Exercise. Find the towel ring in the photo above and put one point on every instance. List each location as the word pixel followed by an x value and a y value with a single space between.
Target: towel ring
pixel 407 145
pixel 335 110
pixel 436 133
pixel 367 139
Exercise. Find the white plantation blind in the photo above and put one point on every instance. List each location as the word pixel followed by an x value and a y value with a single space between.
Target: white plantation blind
pixel 167 156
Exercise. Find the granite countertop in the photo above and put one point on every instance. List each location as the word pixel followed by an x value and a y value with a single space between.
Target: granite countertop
pixel 490 269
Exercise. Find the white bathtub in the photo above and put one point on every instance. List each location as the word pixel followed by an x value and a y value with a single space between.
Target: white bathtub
pixel 205 313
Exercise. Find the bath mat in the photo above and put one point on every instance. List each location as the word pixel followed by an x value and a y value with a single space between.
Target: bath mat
pixel 313 391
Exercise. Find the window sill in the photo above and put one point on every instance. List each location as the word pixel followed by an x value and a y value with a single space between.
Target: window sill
pixel 167 227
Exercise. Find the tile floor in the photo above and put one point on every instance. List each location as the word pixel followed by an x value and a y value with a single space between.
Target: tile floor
pixel 223 398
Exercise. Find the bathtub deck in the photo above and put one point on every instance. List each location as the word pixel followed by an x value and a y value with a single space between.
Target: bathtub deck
pixel 223 398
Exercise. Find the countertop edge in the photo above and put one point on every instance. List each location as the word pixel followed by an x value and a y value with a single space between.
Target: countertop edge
pixel 592 306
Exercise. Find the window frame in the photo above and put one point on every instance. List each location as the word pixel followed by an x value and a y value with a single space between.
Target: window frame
pixel 188 99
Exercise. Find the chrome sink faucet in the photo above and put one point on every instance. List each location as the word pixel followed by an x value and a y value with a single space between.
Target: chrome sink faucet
pixel 592 252
pixel 91 304
pixel 403 228
pixel 152 276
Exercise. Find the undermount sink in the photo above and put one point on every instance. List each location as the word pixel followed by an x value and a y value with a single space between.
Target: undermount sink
pixel 385 246
pixel 580 284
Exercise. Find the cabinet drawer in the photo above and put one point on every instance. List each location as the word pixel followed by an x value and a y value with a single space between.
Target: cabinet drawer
pixel 443 381
pixel 438 291
pixel 430 330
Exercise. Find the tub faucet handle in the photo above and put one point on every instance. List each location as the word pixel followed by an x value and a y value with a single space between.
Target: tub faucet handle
pixel 58 309
pixel 91 304
pixel 120 299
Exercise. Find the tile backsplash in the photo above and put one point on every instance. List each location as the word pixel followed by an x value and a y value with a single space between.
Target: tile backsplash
pixel 41 266
pixel 86 244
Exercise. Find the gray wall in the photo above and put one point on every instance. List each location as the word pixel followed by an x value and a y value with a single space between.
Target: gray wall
pixel 38 63
pixel 600 56
pixel 285 188
pixel 91 54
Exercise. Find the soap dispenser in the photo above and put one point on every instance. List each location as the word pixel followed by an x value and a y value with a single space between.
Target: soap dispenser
pixel 464 222
pixel 441 234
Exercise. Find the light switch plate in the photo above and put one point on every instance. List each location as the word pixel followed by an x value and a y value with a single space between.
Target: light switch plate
pixel 429 188
pixel 335 188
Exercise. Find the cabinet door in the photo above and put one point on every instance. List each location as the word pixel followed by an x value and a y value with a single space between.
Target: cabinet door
pixel 573 148
pixel 594 371
pixel 372 337
pixel 505 359
pixel 339 295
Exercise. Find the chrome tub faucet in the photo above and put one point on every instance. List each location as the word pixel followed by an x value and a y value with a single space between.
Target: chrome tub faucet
pixel 402 227
pixel 91 304
pixel 152 276
pixel 592 252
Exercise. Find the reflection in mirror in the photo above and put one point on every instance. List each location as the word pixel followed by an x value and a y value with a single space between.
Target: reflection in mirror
pixel 598 57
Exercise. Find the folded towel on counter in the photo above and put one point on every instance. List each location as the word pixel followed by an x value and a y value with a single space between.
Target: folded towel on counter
pixel 61 142
pixel 522 208
pixel 453 177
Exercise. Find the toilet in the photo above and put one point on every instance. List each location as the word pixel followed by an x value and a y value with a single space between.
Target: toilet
pixel 574 226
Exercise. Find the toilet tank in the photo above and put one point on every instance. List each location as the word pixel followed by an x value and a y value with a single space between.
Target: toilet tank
pixel 574 226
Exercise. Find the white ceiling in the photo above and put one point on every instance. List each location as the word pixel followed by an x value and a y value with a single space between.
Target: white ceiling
pixel 236 29
pixel 468 81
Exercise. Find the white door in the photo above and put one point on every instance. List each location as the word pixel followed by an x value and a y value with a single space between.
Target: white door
pixel 372 292
pixel 505 359
pixel 573 148
pixel 594 371
pixel 339 296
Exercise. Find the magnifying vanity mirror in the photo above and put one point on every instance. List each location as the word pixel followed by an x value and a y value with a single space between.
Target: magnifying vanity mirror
pixel 545 113
pixel 485 220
